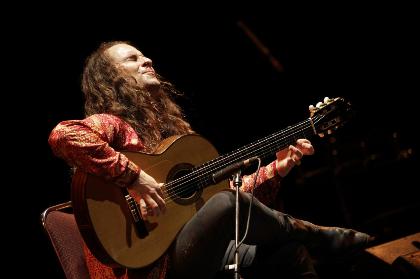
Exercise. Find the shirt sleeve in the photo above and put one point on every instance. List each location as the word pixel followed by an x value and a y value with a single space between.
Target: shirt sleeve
pixel 266 186
pixel 86 144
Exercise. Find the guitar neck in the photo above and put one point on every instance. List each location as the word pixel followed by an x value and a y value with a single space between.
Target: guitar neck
pixel 262 148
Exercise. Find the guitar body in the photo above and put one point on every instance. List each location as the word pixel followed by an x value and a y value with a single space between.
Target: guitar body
pixel 106 223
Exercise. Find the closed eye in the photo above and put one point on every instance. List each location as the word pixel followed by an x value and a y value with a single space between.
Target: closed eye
pixel 132 58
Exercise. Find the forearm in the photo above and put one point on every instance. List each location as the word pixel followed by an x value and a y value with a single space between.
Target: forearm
pixel 266 186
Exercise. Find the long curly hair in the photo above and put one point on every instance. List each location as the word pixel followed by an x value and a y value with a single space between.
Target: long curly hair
pixel 108 90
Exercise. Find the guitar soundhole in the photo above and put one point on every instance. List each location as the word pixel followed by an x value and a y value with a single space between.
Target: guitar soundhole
pixel 183 192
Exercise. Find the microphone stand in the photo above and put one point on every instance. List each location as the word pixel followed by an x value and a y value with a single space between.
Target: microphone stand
pixel 237 182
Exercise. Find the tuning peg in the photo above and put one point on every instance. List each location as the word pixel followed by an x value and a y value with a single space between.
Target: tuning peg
pixel 312 108
pixel 319 105
pixel 326 100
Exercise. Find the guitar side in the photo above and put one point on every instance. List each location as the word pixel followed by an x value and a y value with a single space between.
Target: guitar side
pixel 103 217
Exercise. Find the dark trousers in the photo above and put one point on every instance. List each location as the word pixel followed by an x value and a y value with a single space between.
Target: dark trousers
pixel 203 246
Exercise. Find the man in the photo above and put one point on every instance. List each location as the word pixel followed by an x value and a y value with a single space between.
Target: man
pixel 128 107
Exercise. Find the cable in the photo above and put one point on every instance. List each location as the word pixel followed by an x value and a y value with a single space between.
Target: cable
pixel 250 205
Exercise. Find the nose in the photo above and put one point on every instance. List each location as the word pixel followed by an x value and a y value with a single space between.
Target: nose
pixel 147 62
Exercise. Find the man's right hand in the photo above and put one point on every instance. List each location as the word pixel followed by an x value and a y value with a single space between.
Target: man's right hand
pixel 150 192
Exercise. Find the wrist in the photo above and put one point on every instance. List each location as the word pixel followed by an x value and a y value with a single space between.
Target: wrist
pixel 129 176
pixel 282 169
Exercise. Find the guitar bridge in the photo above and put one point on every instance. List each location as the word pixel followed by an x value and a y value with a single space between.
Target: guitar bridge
pixel 138 221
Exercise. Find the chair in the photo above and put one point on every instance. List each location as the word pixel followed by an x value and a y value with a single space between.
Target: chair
pixel 66 240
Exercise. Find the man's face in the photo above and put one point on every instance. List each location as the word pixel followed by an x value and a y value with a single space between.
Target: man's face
pixel 134 63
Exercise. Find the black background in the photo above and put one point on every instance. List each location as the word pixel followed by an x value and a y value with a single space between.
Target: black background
pixel 364 177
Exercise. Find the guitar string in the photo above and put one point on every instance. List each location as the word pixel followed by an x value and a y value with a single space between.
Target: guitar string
pixel 193 183
pixel 226 160
pixel 238 152
pixel 202 173
pixel 228 156
pixel 204 178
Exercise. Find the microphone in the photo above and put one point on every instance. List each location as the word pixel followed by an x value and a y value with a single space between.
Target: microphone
pixel 231 169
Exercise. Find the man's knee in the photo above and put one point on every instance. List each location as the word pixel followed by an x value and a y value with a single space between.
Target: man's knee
pixel 223 199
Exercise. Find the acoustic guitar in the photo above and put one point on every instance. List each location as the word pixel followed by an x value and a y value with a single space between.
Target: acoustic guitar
pixel 110 221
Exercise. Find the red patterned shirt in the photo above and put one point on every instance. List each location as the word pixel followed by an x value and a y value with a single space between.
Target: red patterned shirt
pixel 93 145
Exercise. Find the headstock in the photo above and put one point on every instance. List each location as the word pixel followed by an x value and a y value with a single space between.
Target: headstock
pixel 329 115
